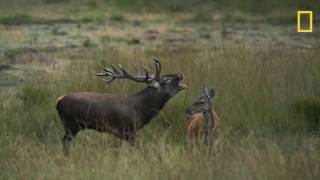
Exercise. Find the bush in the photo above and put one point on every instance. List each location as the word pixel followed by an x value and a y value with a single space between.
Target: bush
pixel 310 108
pixel 201 17
pixel 117 18
pixel 16 20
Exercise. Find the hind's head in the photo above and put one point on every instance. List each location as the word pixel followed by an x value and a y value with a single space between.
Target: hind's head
pixel 203 103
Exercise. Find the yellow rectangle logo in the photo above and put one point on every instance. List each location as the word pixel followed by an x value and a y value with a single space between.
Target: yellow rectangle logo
pixel 310 28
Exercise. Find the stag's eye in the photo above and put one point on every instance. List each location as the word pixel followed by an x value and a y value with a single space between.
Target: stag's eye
pixel 167 80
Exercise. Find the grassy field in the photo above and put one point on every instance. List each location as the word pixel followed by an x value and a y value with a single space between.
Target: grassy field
pixel 266 77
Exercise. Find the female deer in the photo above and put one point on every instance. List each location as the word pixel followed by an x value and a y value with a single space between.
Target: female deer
pixel 201 120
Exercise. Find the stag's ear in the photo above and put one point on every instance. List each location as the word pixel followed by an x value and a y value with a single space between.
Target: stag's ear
pixel 212 93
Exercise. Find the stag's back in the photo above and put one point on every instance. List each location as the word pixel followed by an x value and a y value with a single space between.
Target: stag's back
pixel 94 110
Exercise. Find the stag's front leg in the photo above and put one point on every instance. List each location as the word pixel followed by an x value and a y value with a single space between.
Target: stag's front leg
pixel 128 136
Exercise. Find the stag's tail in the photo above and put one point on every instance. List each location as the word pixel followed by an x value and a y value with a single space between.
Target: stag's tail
pixel 58 103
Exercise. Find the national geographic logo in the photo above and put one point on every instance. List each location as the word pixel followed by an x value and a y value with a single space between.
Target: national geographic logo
pixel 304 21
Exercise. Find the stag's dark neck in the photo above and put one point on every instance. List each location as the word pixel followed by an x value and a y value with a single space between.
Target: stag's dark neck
pixel 149 102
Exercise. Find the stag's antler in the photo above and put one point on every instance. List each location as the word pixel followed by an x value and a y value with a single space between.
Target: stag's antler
pixel 157 64
pixel 118 73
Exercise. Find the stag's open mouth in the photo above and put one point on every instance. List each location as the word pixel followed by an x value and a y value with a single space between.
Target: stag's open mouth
pixel 182 86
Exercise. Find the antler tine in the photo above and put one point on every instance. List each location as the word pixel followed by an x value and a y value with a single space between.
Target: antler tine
pixel 109 81
pixel 121 69
pixel 107 72
pixel 114 68
pixel 158 67
pixel 102 74
pixel 125 74
pixel 151 67
pixel 146 73
pixel 136 69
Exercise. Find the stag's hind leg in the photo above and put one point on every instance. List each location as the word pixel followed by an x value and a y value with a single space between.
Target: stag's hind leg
pixel 70 125
pixel 66 143
pixel 67 138
pixel 71 129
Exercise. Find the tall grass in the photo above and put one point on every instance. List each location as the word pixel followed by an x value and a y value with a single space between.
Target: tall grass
pixel 247 159
pixel 263 136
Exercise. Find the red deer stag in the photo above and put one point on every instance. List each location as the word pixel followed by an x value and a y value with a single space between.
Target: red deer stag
pixel 118 115
pixel 201 120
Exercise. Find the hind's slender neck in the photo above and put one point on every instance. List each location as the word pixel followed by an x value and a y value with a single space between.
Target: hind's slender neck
pixel 208 118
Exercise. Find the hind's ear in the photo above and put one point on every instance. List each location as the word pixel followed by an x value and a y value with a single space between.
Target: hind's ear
pixel 212 93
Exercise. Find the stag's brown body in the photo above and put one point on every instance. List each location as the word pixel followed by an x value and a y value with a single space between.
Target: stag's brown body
pixel 119 115
pixel 196 129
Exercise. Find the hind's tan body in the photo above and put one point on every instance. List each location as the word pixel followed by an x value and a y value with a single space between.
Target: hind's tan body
pixel 195 125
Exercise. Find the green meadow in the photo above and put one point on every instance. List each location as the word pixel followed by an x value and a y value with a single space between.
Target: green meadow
pixel 265 74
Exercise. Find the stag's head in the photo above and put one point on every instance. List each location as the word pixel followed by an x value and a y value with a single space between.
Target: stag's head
pixel 203 103
pixel 169 84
